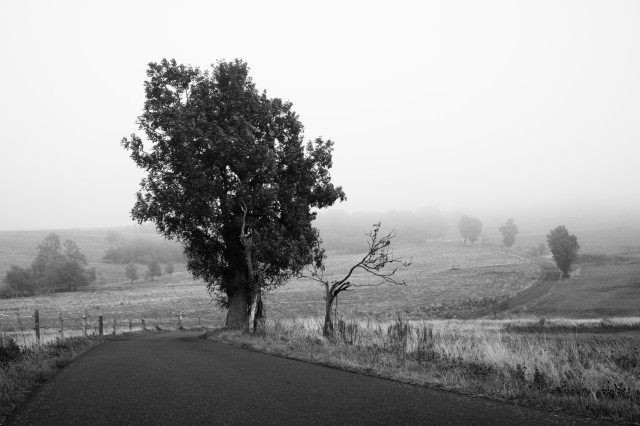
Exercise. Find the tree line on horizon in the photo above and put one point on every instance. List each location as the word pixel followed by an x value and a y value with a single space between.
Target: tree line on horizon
pixel 141 250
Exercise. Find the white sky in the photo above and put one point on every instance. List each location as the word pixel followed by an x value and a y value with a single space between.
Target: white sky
pixel 479 105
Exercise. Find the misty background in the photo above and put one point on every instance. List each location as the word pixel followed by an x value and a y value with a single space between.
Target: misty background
pixel 492 109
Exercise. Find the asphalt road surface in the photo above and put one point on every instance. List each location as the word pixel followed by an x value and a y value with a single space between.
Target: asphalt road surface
pixel 178 378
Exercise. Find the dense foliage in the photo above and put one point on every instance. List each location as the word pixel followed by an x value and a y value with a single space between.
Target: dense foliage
pixel 52 269
pixel 470 228
pixel 229 175
pixel 509 231
pixel 564 248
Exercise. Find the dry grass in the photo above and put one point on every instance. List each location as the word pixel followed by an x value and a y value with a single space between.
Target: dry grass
pixel 594 291
pixel 22 371
pixel 480 274
pixel 590 373
pixel 159 302
pixel 442 279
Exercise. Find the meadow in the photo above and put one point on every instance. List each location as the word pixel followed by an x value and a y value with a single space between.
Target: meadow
pixel 592 291
pixel 445 279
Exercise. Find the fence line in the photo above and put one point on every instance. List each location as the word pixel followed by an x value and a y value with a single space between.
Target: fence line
pixel 37 328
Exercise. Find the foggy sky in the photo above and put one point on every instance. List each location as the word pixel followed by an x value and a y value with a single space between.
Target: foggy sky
pixel 485 107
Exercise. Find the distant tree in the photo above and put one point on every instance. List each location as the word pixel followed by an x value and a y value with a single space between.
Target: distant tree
pixel 564 248
pixel 144 250
pixel 53 269
pixel 230 176
pixel 378 257
pixel 470 228
pixel 169 269
pixel 112 237
pixel 542 249
pixel 48 257
pixel 21 281
pixel 154 269
pixel 72 253
pixel 131 271
pixel 509 231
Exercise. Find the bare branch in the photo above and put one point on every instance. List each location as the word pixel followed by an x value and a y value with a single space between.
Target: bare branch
pixel 378 257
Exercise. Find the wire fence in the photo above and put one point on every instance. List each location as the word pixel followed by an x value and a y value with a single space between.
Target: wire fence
pixel 44 325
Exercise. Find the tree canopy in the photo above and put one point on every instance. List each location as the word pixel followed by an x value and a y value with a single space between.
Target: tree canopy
pixel 509 231
pixel 52 269
pixel 564 248
pixel 470 228
pixel 229 175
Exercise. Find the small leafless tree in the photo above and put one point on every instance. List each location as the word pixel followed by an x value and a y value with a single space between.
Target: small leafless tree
pixel 378 261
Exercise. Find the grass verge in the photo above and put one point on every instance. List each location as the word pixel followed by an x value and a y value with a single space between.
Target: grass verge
pixel 594 374
pixel 23 369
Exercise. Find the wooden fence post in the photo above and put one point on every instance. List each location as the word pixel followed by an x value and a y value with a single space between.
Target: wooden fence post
pixel 61 326
pixel 84 323
pixel 36 315
pixel 114 326
pixel 101 325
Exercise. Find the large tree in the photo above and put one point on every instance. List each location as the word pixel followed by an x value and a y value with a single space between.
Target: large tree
pixel 470 228
pixel 564 248
pixel 229 175
pixel 509 231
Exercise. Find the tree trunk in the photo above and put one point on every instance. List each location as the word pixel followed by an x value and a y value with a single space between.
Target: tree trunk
pixel 237 315
pixel 255 312
pixel 328 323
pixel 238 294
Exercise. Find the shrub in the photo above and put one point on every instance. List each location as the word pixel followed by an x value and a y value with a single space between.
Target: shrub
pixel 9 350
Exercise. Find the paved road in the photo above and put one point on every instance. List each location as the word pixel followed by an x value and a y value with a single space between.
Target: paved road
pixel 179 379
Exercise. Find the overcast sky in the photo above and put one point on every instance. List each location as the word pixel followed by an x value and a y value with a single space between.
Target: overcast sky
pixel 476 105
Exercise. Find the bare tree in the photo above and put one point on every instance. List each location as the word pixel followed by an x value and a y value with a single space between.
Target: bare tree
pixel 378 261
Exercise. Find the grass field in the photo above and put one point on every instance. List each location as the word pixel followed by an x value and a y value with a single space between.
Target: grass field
pixel 446 280
pixel 479 273
pixel 594 291
pixel 442 275
pixel 159 302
